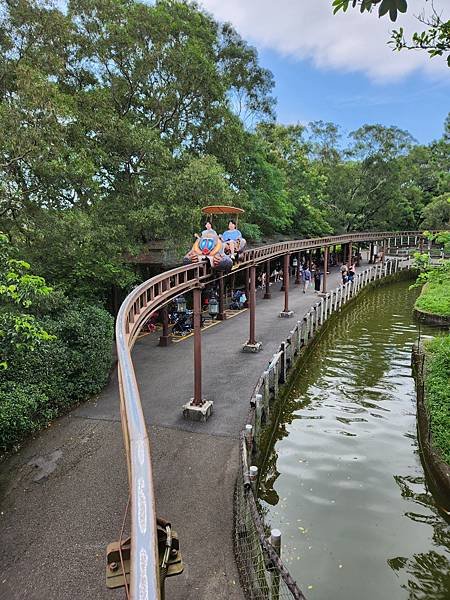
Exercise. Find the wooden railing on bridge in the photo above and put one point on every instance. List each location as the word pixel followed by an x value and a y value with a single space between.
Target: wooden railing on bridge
pixel 150 296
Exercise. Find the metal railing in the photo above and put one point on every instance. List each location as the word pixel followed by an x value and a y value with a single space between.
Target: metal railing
pixel 143 300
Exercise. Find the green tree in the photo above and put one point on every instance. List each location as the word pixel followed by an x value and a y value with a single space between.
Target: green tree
pixel 364 181
pixel 103 108
pixel 436 215
pixel 19 290
pixel 304 184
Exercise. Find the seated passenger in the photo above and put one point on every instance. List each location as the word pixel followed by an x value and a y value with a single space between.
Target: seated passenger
pixel 232 237
pixel 208 229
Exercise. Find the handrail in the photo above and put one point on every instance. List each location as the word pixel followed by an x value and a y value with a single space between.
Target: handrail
pixel 143 300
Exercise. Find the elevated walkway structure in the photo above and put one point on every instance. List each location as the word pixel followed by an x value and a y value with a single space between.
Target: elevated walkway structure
pixel 64 494
pixel 153 295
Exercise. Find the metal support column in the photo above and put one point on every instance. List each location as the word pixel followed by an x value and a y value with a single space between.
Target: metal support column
pixel 247 285
pixel 325 269
pixel 197 399
pixel 198 409
pixel 252 345
pixel 222 315
pixel 252 305
pixel 267 294
pixel 165 339
pixel 286 312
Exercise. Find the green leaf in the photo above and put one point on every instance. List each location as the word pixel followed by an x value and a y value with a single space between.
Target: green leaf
pixel 393 13
pixel 385 7
pixel 402 6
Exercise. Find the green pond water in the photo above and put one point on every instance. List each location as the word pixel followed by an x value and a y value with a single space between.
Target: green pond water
pixel 344 481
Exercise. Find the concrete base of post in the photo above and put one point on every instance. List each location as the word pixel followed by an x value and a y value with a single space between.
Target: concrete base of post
pixel 257 347
pixel 286 314
pixel 222 316
pixel 165 340
pixel 267 296
pixel 198 413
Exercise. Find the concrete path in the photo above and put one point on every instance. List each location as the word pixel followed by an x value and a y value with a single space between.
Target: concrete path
pixel 63 495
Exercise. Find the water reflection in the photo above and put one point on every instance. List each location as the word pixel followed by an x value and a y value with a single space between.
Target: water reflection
pixel 428 575
pixel 344 480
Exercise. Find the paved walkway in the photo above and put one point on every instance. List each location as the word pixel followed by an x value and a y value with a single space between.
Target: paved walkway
pixel 63 495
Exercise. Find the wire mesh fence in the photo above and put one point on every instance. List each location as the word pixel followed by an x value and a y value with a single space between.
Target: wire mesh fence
pixel 262 572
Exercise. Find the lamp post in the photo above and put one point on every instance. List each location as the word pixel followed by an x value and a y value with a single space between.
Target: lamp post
pixel 213 306
pixel 180 303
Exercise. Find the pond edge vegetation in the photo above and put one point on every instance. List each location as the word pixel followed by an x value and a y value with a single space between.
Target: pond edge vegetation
pixel 431 365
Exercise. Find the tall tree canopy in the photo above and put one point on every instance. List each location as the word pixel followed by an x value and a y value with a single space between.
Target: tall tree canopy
pixel 121 119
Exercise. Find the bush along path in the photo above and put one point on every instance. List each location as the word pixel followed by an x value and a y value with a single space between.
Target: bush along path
pixel 432 372
pixel 433 304
pixel 55 353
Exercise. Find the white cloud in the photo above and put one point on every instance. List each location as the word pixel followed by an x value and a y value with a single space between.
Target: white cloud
pixel 345 42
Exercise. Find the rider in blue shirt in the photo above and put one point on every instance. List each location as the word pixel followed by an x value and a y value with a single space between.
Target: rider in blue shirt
pixel 231 236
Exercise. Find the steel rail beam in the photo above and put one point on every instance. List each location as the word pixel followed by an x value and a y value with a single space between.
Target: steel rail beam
pixel 148 297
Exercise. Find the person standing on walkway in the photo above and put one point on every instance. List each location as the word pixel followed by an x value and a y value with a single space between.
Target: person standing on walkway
pixel 306 276
pixel 344 273
pixel 351 272
pixel 317 278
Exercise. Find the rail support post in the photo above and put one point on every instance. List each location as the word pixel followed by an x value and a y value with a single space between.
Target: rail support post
pixel 165 339
pixel 349 254
pixel 198 409
pixel 252 345
pixel 267 294
pixel 325 269
pixel 286 313
pixel 222 315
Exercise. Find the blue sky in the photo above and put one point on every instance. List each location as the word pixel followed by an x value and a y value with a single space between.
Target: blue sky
pixel 339 68
pixel 307 93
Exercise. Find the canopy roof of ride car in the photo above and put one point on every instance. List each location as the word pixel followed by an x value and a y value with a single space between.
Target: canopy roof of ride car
pixel 222 210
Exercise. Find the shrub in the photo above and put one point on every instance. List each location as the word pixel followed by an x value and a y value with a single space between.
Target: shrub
pixel 24 408
pixel 435 295
pixel 437 388
pixel 60 373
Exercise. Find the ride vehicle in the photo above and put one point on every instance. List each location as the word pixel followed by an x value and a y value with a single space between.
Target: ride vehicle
pixel 222 254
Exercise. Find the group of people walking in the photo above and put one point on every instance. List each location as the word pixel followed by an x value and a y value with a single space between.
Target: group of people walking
pixel 310 275
pixel 348 272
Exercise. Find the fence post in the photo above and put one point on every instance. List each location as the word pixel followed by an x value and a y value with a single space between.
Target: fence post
pixel 258 418
pixel 276 381
pixel 266 376
pixel 249 437
pixel 275 540
pixel 299 335
pixel 253 473
pixel 283 362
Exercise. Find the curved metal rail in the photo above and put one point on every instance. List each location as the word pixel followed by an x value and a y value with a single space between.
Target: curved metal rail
pixel 152 295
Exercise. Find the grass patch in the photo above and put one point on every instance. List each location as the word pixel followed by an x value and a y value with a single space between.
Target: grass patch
pixel 435 296
pixel 437 393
